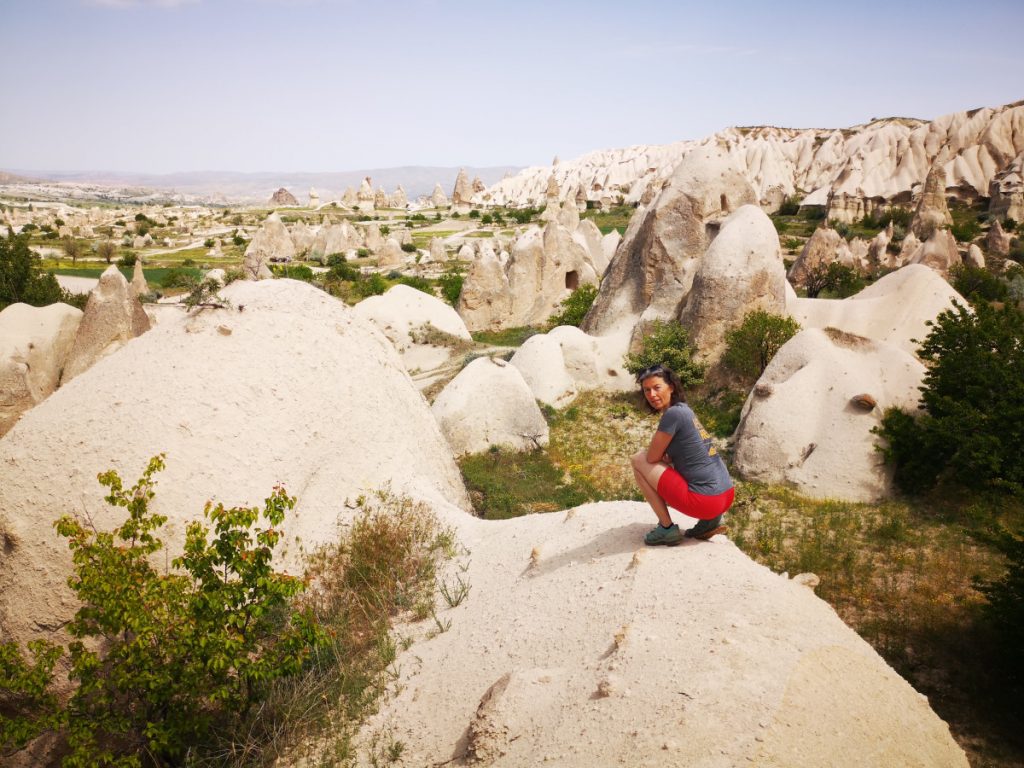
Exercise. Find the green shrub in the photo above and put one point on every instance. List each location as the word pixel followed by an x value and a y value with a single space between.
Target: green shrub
pixel 1009 225
pixel 965 231
pixel 1005 607
pixel 666 342
pixel 752 345
pixel 474 214
pixel 22 278
pixel 451 286
pixel 575 306
pixel 127 260
pixel 238 240
pixel 409 247
pixel 385 230
pixel 362 253
pixel 181 277
pixel 293 271
pixel 837 279
pixel 487 219
pixel 342 270
pixel 417 282
pixel 790 206
pixel 978 284
pixel 971 429
pixel 374 285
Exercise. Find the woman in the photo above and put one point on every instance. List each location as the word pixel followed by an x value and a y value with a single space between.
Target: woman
pixel 681 468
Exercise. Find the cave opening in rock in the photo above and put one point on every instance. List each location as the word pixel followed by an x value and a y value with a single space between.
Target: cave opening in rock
pixel 572 280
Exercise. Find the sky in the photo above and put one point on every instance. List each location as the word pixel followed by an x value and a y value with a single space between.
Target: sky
pixel 162 86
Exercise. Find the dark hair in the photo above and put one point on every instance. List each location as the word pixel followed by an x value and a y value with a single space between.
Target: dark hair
pixel 667 375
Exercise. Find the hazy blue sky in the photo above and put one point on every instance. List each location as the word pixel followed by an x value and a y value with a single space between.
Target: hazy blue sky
pixel 330 85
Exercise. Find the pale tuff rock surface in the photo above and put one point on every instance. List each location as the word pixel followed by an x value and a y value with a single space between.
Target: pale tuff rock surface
pixel 303 236
pixel 654 265
pixel 438 198
pixel 270 243
pixel 939 252
pixel 380 198
pixel 896 309
pixel 998 240
pixel 462 193
pixel 113 316
pixel 741 272
pixel 1007 191
pixel 931 213
pixel 865 165
pixel 588 649
pixel 314 198
pixel 373 240
pixel 282 197
pixel 485 292
pixel 974 258
pixel 465 252
pixel 399 199
pixel 437 250
pixel 822 248
pixel 560 364
pixel 34 345
pixel 391 255
pixel 237 400
pixel 798 426
pixel 487 404
pixel 139 286
pixel 410 319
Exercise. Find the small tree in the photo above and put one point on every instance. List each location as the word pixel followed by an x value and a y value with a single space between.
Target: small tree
pixel 21 275
pixel 106 249
pixel 72 248
pixel 753 344
pixel 836 278
pixel 666 342
pixel 575 306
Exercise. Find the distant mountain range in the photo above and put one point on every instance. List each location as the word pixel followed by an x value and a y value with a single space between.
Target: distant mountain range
pixel 257 187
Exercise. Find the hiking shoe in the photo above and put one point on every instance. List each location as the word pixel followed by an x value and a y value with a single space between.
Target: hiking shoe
pixel 691 533
pixel 668 536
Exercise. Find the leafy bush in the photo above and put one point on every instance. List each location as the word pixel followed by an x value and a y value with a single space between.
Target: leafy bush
pixel 835 278
pixel 127 260
pixel 752 345
pixel 409 247
pixel 362 253
pixel 487 219
pixel 374 285
pixel 185 651
pixel 666 342
pixel 474 214
pixel 1009 225
pixel 22 278
pixel 574 306
pixel 978 284
pixel 181 277
pixel 385 230
pixel 790 206
pixel 293 271
pixel 417 282
pixel 965 231
pixel 342 270
pixel 451 286
pixel 971 431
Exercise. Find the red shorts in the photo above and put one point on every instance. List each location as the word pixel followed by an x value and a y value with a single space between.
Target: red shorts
pixel 673 489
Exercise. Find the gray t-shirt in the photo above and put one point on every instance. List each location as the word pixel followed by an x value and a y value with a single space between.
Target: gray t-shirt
pixel 692 452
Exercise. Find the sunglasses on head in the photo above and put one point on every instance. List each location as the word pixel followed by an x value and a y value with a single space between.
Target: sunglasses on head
pixel 654 370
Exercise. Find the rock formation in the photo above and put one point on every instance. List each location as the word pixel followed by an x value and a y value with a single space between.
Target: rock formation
pixel 364 197
pixel 489 404
pixel 399 199
pixel 654 265
pixel 998 240
pixel 822 248
pixel 437 250
pixel 34 346
pixel 485 293
pixel 139 286
pixel 438 198
pixel 232 429
pixel 380 199
pixel 314 198
pixel 113 316
pixel 829 450
pixel 939 252
pixel 391 255
pixel 741 272
pixel 282 197
pixel 932 212
pixel 974 257
pixel 373 241
pixel 335 238
pixel 462 193
pixel 303 238
pixel 271 243
pixel 1006 191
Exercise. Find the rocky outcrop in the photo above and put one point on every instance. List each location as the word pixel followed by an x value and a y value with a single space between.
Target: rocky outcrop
pixel 438 198
pixel 437 250
pixel 139 286
pixel 113 316
pixel 364 197
pixel 823 247
pixel 654 265
pixel 462 192
pixel 939 252
pixel 314 198
pixel 974 258
pixel 1006 191
pixel 335 238
pixel 34 345
pixel 271 243
pixel 380 199
pixel 195 385
pixel 829 450
pixel 282 197
pixel 391 255
pixel 932 212
pixel 373 241
pixel 399 199
pixel 997 240
pixel 489 404
pixel 741 272
pixel 485 296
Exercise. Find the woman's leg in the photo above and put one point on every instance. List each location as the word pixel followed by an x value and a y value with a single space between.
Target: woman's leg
pixel 647 477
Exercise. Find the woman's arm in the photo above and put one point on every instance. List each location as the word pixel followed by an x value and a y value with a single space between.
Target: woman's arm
pixel 656 451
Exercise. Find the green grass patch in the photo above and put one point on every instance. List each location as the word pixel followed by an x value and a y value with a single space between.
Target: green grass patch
pixel 507 337
pixel 617 218
pixel 155 275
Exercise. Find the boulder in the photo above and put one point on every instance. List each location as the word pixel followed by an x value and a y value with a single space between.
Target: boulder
pixel 391 256
pixel 829 451
pixel 654 266
pixel 485 299
pixel 113 316
pixel 231 430
pixel 823 247
pixel 271 243
pixel 489 404
pixel 139 286
pixel 975 257
pixel 741 272
pixel 939 252
pixel 932 212
pixel 465 253
pixel 303 237
pixel 998 240
pixel 374 241
pixel 282 197
pixel 896 309
pixel 34 346
pixel 437 250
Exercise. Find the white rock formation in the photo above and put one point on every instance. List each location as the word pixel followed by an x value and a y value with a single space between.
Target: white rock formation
pixel 465 253
pixel 741 272
pixel 487 404
pixel 270 243
pixel 896 309
pixel 462 192
pixel 1006 191
pixel 654 266
pixel 998 240
pixel 825 246
pixel 438 198
pixel 974 257
pixel 485 292
pixel 139 286
pixel 303 236
pixel 34 346
pixel 939 252
pixel 391 255
pixel 932 212
pixel 231 430
pixel 801 427
pixel 113 316
pixel 437 250
pixel 374 241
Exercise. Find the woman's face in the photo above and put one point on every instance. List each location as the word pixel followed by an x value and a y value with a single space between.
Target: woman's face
pixel 657 391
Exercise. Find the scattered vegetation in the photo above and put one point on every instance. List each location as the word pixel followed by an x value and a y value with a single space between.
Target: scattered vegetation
pixel 616 218
pixel 507 337
pixel 752 345
pixel 835 280
pixel 574 307
pixel 22 278
pixel 666 342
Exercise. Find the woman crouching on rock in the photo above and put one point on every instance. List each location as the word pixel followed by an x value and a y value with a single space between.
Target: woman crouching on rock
pixel 681 468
